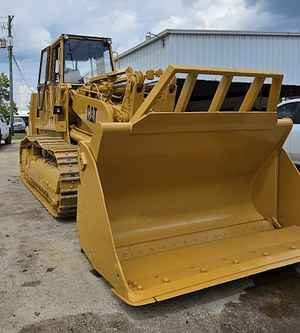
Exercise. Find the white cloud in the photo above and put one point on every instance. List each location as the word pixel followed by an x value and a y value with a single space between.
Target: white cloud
pixel 218 14
pixel 172 22
pixel 232 14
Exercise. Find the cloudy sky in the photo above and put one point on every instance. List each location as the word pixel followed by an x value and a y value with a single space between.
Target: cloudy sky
pixel 37 23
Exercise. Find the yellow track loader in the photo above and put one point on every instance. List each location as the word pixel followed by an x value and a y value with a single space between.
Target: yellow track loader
pixel 168 201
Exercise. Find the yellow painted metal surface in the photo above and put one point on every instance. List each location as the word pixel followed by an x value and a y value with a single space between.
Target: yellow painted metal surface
pixel 220 94
pixel 169 201
pixel 49 168
pixel 185 209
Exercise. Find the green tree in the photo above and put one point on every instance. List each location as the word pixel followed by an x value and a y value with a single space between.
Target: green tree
pixel 4 96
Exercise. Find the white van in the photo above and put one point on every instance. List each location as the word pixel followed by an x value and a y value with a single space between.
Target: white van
pixel 290 108
pixel 4 130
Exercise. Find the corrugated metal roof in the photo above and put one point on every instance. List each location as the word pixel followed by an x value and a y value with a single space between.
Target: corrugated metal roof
pixel 166 32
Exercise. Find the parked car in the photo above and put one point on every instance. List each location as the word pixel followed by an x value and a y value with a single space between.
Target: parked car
pixel 19 124
pixel 4 130
pixel 290 108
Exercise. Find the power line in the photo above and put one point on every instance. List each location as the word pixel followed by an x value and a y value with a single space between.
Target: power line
pixel 23 77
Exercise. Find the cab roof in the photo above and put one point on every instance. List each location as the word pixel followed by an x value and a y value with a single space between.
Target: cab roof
pixel 72 36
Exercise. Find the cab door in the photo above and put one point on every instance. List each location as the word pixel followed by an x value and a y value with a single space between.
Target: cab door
pixel 43 79
pixel 55 78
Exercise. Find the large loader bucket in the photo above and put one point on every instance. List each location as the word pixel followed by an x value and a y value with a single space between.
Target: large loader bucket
pixel 176 202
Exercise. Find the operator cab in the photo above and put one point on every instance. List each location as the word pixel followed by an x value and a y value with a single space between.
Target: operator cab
pixel 75 59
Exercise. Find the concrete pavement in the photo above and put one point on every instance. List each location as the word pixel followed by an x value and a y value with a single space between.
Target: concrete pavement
pixel 47 284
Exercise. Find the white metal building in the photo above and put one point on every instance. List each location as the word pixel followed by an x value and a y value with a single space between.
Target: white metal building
pixel 272 51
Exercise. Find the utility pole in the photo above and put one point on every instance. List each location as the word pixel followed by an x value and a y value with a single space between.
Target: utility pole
pixel 10 59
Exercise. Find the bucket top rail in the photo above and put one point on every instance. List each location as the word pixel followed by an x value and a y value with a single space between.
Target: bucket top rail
pixel 228 75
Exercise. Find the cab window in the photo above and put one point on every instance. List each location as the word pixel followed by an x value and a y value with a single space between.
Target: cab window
pixel 43 67
pixel 290 110
pixel 56 64
pixel 85 59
